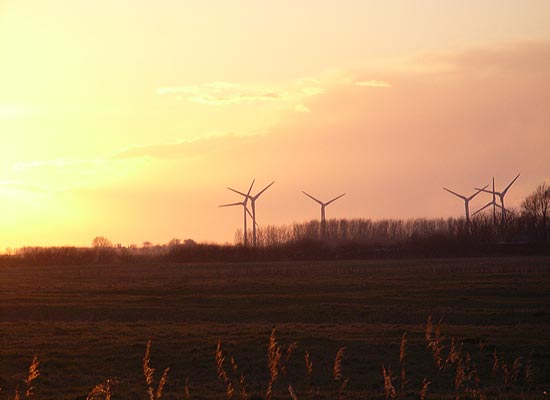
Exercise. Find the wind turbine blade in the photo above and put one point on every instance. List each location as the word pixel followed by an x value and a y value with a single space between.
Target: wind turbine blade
pixel 456 194
pixel 231 204
pixel 264 189
pixel 505 209
pixel 483 208
pixel 249 213
pixel 252 184
pixel 312 198
pixel 478 192
pixel 236 191
pixel 248 193
pixel 336 198
pixel 484 190
pixel 251 216
pixel 511 183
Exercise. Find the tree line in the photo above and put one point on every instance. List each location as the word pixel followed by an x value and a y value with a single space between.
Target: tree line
pixel 524 231
pixel 531 223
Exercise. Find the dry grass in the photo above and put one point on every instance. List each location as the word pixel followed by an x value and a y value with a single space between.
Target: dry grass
pixel 466 381
pixel 32 374
pixel 337 368
pixel 101 391
pixel 186 391
pixel 424 391
pixel 389 389
pixel 435 341
pixel 402 355
pixel 149 373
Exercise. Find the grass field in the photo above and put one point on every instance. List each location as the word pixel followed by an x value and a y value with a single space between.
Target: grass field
pixel 89 324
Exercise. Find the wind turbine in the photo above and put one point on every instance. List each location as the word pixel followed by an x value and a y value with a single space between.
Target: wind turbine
pixel 323 206
pixel 466 201
pixel 245 211
pixel 501 197
pixel 253 206
pixel 491 203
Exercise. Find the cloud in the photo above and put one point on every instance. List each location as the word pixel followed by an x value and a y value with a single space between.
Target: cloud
pixel 373 83
pixel 57 163
pixel 186 148
pixel 12 111
pixel 21 186
pixel 528 56
pixel 309 91
pixel 300 108
pixel 230 93
pixel 224 93
pixel 58 175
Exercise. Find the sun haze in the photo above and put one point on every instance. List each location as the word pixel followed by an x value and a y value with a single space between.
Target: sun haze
pixel 129 119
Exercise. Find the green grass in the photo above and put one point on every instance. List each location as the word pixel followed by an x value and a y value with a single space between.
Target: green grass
pixel 87 324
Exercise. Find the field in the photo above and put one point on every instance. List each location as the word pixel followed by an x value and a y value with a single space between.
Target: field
pixel 89 324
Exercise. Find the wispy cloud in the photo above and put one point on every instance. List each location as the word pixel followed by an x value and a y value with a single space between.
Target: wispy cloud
pixel 61 175
pixel 373 83
pixel 20 186
pixel 185 148
pixel 308 91
pixel 526 55
pixel 12 110
pixel 56 163
pixel 224 93
pixel 230 93
pixel 302 108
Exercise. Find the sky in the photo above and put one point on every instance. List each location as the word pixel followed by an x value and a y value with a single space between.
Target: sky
pixel 129 119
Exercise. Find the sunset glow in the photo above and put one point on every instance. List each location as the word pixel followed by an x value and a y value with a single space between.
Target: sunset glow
pixel 129 119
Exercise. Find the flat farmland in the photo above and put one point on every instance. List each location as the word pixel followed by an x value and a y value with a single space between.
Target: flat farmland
pixel 87 324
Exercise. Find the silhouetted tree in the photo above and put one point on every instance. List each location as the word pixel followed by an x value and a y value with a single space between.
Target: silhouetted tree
pixel 189 243
pixel 536 208
pixel 101 241
pixel 174 242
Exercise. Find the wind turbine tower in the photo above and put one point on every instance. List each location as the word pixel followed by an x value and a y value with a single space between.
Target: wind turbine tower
pixel 253 206
pixel 501 197
pixel 466 201
pixel 323 215
pixel 491 203
pixel 245 211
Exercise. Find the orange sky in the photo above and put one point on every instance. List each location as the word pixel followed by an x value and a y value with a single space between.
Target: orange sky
pixel 128 120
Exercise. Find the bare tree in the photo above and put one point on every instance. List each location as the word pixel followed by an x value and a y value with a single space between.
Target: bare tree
pixel 101 241
pixel 536 207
